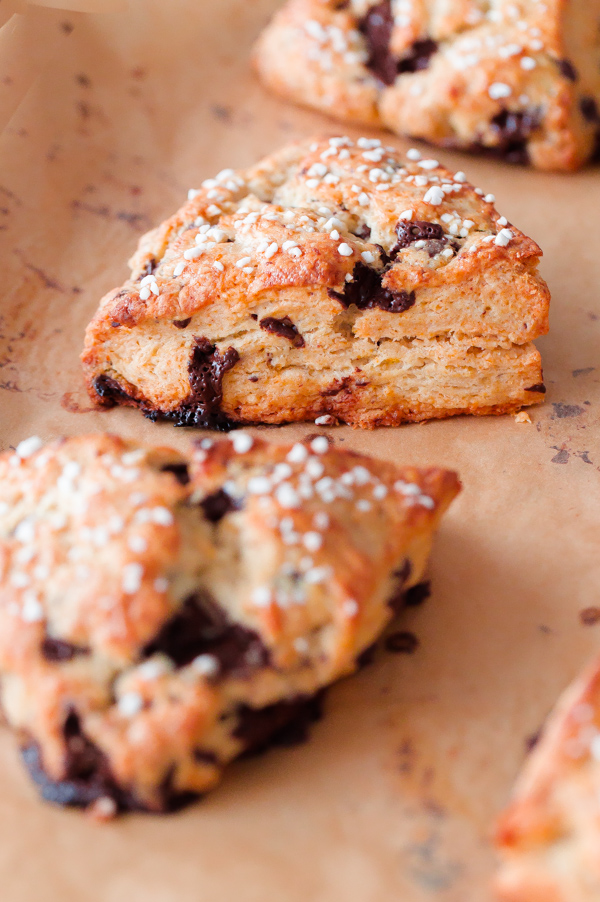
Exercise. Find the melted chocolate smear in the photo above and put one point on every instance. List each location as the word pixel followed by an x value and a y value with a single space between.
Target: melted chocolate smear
pixel 366 291
pixel 419 56
pixel 202 408
pixel 218 504
pixel 109 391
pixel 568 69
pixel 200 627
pixel 180 472
pixel 182 323
pixel 512 131
pixel 377 27
pixel 59 650
pixel 402 643
pixel 284 327
pixel 282 724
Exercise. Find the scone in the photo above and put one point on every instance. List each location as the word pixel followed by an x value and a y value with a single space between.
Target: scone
pixel 549 837
pixel 162 614
pixel 335 278
pixel 520 80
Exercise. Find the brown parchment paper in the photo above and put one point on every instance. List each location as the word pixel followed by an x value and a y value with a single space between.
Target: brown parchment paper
pixel 110 118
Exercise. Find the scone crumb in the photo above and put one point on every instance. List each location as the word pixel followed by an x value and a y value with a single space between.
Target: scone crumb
pixel 522 417
pixel 103 809
pixel 326 420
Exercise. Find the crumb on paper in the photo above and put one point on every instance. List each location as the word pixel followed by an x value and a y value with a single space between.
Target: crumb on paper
pixel 522 417
pixel 103 809
pixel 326 420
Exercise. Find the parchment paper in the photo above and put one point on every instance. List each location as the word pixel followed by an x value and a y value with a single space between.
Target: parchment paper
pixel 111 118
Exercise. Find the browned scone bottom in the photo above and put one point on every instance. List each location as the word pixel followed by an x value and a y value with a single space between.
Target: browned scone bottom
pixel 162 614
pixel 549 835
pixel 519 81
pixel 334 278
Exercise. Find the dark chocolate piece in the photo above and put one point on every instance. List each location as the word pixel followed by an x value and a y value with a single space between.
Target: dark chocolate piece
pixel 398 600
pixel 539 387
pixel 200 627
pixel 589 109
pixel 421 230
pixel 418 57
pixel 512 132
pixel 216 505
pixel 377 27
pixel 416 595
pixel 568 69
pixel 284 327
pixel 149 268
pixel 366 291
pixel 402 643
pixel 59 650
pixel 367 656
pixel 363 232
pixel 180 472
pixel 182 323
pixel 282 724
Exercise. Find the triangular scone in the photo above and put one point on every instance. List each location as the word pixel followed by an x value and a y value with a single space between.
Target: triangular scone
pixel 161 614
pixel 334 278
pixel 549 837
pixel 521 80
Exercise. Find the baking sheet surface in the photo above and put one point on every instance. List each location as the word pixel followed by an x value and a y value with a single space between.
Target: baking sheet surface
pixel 110 118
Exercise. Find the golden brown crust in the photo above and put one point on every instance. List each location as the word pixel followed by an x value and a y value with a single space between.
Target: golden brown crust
pixel 549 835
pixel 150 601
pixel 521 80
pixel 341 279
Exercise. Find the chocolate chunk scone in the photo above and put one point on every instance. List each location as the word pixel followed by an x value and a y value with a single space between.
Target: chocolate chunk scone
pixel 549 836
pixel 162 614
pixel 519 80
pixel 334 278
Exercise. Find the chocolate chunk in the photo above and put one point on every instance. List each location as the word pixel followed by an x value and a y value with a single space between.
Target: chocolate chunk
pixel 416 595
pixel 218 504
pixel 402 643
pixel 363 232
pixel 202 407
pixel 59 650
pixel 398 599
pixel 149 268
pixel 201 627
pixel 180 472
pixel 377 27
pixel 420 230
pixel 512 132
pixel 109 391
pixel 589 109
pixel 284 327
pixel 281 724
pixel 367 656
pixel 182 323
pixel 87 776
pixel 366 291
pixel 568 69
pixel 539 387
pixel 418 57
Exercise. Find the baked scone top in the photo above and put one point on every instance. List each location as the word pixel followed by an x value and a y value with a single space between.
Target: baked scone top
pixel 521 80
pixel 150 595
pixel 399 236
